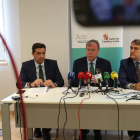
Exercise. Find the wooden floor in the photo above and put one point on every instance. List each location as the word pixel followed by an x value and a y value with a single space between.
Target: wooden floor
pixel 111 135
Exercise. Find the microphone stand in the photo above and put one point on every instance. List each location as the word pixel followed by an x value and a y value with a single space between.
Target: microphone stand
pixel 66 91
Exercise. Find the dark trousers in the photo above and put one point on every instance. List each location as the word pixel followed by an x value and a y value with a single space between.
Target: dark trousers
pixel 44 130
pixel 86 131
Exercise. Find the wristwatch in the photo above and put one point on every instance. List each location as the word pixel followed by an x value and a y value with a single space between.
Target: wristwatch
pixel 29 85
pixel 55 84
pixel 133 86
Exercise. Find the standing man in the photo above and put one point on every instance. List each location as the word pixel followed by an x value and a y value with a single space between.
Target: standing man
pixel 90 63
pixel 129 73
pixel 40 72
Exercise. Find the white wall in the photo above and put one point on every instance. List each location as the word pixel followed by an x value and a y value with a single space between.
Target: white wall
pixel 45 21
pixel 129 34
pixel 7 78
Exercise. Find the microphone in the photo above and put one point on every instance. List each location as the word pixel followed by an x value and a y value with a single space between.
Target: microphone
pixel 71 76
pixel 98 77
pixel 88 77
pixel 114 76
pixel 80 78
pixel 106 77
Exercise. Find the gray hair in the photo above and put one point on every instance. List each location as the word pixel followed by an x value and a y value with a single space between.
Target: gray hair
pixel 136 42
pixel 90 42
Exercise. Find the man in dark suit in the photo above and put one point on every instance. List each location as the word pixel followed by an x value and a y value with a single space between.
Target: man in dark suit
pixel 40 72
pixel 129 73
pixel 85 64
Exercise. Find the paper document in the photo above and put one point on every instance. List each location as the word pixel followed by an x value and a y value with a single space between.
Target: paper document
pixel 38 90
pixel 63 89
pixel 131 91
pixel 91 88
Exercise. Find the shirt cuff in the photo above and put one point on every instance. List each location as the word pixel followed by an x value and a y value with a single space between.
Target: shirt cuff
pixel 26 86
pixel 128 86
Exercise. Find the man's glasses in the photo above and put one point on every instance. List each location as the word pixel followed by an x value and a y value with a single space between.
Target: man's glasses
pixel 89 50
pixel 135 48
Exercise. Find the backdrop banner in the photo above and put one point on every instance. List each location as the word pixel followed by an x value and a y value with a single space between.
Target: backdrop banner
pixel 109 38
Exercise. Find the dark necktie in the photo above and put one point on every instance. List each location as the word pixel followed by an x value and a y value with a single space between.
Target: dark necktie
pixel 41 76
pixel 92 71
pixel 92 68
pixel 138 71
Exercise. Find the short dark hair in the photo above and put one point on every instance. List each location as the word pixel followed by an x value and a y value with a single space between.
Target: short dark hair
pixel 90 42
pixel 136 42
pixel 38 45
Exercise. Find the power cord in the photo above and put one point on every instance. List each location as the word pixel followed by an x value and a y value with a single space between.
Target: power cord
pixel 66 112
pixel 118 113
pixel 18 115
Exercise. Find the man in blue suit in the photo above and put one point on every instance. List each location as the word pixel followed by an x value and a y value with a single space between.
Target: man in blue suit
pixel 129 73
pixel 40 72
pixel 84 64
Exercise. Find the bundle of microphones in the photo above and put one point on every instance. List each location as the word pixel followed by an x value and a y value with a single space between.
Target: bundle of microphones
pixel 98 77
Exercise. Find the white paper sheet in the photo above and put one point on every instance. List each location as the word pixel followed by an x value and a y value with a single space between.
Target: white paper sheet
pixel 131 91
pixel 38 90
pixel 63 89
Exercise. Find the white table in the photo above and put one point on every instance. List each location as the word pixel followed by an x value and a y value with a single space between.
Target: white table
pixel 98 112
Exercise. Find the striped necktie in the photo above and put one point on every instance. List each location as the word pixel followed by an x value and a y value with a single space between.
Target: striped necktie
pixel 138 71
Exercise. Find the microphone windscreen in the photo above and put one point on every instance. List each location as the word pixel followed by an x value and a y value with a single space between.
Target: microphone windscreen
pixel 81 75
pixel 88 75
pixel 97 71
pixel 113 75
pixel 71 75
pixel 106 75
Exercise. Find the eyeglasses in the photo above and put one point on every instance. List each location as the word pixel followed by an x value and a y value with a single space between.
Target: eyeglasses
pixel 135 48
pixel 88 50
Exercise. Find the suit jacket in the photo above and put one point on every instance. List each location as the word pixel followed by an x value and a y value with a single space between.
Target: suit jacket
pixel 127 72
pixel 28 72
pixel 81 65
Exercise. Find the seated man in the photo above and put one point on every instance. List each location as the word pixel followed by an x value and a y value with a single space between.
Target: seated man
pixel 40 72
pixel 129 73
pixel 90 63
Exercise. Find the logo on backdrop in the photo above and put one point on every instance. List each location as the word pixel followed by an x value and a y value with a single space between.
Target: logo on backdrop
pixel 105 36
pixel 107 39
pixel 81 38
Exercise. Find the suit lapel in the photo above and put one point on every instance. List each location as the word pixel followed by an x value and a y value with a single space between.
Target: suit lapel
pixel 133 69
pixel 33 69
pixel 47 69
pixel 85 64
pixel 98 63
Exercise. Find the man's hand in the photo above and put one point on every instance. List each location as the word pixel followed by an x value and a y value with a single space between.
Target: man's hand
pixel 137 86
pixel 85 82
pixel 37 82
pixel 49 83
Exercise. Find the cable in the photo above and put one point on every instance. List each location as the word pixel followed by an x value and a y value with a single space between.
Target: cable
pixel 118 114
pixel 20 87
pixel 20 122
pixel 59 115
pixel 79 115
pixel 17 109
pixel 66 111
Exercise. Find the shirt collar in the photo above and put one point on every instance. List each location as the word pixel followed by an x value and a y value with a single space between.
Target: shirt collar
pixel 136 61
pixel 36 64
pixel 92 62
